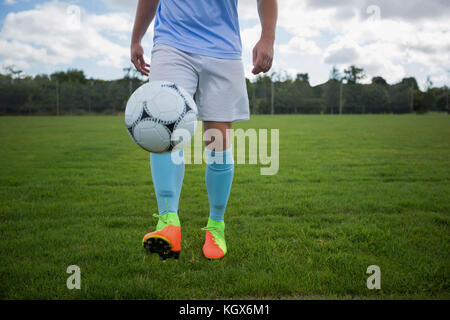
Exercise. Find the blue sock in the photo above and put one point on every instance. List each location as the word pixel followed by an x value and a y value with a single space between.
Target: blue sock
pixel 167 180
pixel 219 177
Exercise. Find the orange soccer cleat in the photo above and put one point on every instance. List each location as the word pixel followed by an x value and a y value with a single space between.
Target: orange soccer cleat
pixel 166 240
pixel 215 246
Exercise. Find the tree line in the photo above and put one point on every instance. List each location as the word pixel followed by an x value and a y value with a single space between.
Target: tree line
pixel 343 93
pixel 70 92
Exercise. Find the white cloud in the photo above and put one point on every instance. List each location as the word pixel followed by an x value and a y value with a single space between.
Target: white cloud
pixel 21 54
pixel 56 33
pixel 250 37
pixel 385 47
pixel 298 45
pixel 412 10
pixel 121 4
pixel 384 37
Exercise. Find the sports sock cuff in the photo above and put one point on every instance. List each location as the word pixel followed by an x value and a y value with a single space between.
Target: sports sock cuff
pixel 222 159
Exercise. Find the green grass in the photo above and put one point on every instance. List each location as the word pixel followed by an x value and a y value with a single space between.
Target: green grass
pixel 352 191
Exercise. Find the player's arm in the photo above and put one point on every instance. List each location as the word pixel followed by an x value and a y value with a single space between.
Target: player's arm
pixel 263 51
pixel 145 13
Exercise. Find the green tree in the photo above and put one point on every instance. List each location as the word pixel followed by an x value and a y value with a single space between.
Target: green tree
pixel 71 75
pixel 335 74
pixel 379 81
pixel 375 99
pixel 354 74
pixel 302 77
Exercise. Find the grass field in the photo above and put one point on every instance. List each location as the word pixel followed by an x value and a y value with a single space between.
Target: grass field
pixel 352 191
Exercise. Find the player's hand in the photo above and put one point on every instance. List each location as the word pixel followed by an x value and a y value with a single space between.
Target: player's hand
pixel 137 58
pixel 262 56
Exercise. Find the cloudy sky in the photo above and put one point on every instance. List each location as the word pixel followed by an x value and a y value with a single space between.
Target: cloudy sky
pixel 391 38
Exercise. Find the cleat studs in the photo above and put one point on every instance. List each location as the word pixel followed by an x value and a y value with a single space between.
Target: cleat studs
pixel 162 247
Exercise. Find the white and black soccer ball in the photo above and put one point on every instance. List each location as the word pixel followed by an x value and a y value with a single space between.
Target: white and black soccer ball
pixel 161 116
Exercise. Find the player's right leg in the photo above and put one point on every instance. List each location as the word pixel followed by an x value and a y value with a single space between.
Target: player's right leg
pixel 168 64
pixel 167 181
pixel 166 240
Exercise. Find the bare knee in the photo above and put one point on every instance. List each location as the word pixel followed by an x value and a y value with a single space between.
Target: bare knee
pixel 217 135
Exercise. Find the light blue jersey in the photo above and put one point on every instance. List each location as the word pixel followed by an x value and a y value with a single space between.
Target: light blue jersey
pixel 205 27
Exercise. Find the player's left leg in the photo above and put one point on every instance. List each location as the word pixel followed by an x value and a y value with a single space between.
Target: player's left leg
pixel 222 99
pixel 218 178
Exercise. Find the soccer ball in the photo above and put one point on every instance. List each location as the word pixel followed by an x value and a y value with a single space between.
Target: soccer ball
pixel 161 117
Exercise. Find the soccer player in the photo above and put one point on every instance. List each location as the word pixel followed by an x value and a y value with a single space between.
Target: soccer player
pixel 197 45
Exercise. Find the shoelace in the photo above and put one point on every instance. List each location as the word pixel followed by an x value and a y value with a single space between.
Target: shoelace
pixel 211 229
pixel 163 218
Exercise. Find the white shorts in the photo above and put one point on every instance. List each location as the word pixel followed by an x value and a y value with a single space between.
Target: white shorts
pixel 217 85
